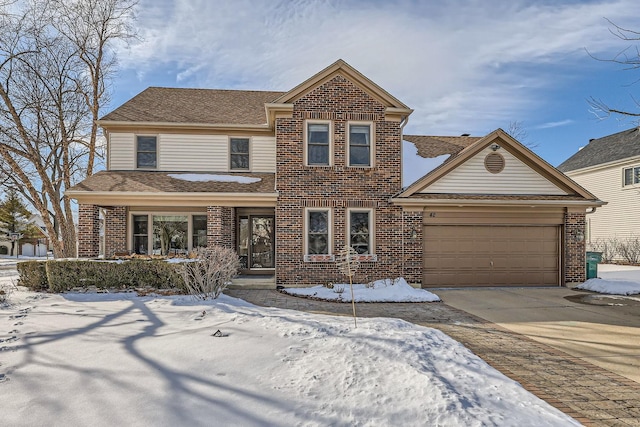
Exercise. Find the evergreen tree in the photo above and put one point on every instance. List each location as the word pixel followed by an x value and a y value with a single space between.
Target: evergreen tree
pixel 14 218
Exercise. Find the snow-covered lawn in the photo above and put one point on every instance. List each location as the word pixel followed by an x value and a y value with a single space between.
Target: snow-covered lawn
pixel 614 280
pixel 385 290
pixel 120 359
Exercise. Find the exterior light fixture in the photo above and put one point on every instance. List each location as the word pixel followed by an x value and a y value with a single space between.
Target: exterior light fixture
pixel 578 236
pixel 495 147
pixel 414 234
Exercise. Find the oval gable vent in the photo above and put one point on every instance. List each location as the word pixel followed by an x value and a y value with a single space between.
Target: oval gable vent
pixel 494 163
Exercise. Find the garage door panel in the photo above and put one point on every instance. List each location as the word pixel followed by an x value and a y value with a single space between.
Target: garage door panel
pixel 488 255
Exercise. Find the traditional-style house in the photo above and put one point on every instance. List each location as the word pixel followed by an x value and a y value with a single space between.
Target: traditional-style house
pixel 289 178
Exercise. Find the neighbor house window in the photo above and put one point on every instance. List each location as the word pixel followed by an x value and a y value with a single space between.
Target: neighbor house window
pixel 146 152
pixel 141 234
pixel 318 144
pixel 318 237
pixel 199 230
pixel 359 145
pixel 239 153
pixel 631 176
pixel 360 231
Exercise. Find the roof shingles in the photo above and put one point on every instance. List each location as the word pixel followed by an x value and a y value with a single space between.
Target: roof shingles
pixel 619 146
pixel 196 106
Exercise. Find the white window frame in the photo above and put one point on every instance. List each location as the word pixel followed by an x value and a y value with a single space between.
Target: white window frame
pixel 157 137
pixel 328 257
pixel 150 215
pixel 249 153
pixel 371 256
pixel 635 176
pixel 372 143
pixel 306 142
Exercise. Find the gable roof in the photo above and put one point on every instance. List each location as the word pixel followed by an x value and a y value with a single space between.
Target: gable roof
pixel 619 146
pixel 346 70
pixel 434 146
pixel 193 106
pixel 575 193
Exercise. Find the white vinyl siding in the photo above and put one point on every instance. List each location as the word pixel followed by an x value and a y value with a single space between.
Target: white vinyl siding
pixel 197 153
pixel 263 154
pixel 122 152
pixel 193 152
pixel 473 177
pixel 620 217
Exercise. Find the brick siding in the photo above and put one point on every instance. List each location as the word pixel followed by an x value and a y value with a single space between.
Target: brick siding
pixel 338 187
pixel 412 248
pixel 115 231
pixel 221 226
pixel 88 231
pixel 574 251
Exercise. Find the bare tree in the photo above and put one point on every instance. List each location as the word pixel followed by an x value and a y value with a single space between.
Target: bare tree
pixel 517 131
pixel 629 59
pixel 55 60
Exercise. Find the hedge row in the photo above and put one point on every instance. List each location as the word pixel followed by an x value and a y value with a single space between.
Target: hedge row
pixel 60 276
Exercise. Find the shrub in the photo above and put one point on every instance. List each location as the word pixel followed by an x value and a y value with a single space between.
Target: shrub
pixel 209 275
pixel 607 246
pixel 64 275
pixel 33 275
pixel 629 249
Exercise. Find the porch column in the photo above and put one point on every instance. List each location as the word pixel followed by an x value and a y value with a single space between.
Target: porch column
pixel 115 231
pixel 574 246
pixel 88 231
pixel 220 226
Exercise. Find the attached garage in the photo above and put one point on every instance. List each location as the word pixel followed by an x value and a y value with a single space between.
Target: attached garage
pixel 493 214
pixel 491 255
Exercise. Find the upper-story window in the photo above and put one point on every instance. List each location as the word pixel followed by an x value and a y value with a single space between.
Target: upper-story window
pixel 359 145
pixel 146 152
pixel 239 153
pixel 631 176
pixel 318 144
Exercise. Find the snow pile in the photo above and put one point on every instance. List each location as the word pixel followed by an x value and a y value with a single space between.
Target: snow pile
pixel 614 280
pixel 203 177
pixel 611 286
pixel 385 290
pixel 119 359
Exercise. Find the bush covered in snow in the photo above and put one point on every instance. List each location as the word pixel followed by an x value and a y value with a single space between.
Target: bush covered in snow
pixel 208 275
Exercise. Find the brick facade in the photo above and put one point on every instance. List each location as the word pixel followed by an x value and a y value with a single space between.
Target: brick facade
pixel 412 247
pixel 337 187
pixel 574 250
pixel 88 231
pixel 115 231
pixel 221 226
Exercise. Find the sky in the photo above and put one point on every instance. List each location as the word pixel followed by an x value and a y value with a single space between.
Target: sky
pixel 464 66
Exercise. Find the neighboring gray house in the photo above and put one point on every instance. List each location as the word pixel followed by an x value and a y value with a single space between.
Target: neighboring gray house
pixel 609 167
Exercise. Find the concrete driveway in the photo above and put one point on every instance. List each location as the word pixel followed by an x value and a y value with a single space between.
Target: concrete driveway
pixel 601 331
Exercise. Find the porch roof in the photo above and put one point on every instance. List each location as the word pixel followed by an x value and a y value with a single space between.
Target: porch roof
pixel 126 187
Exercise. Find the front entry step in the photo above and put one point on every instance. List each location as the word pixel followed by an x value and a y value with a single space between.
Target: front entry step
pixel 253 282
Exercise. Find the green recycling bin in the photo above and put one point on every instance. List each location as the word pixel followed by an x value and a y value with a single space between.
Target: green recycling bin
pixel 593 258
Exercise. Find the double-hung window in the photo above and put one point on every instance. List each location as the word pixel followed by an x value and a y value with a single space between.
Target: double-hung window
pixel 318 144
pixel 146 152
pixel 239 154
pixel 359 145
pixel 631 176
pixel 361 231
pixel 318 226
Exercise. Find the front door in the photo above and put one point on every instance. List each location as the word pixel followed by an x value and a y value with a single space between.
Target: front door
pixel 256 243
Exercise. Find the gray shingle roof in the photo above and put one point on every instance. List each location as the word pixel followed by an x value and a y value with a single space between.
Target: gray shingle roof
pixel 153 182
pixel 210 106
pixel 607 149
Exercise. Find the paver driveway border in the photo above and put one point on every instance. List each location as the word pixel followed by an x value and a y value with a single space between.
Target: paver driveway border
pixel 590 394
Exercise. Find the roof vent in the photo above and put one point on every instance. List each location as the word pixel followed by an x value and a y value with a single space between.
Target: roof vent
pixel 494 162
pixel 591 139
pixel 466 134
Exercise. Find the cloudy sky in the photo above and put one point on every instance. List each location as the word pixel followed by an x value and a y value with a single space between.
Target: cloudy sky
pixel 464 66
